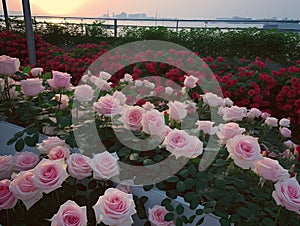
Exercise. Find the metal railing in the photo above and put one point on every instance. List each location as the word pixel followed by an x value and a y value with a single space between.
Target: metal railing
pixel 175 24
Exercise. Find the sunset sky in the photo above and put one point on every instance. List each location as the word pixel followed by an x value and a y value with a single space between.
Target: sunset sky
pixel 164 8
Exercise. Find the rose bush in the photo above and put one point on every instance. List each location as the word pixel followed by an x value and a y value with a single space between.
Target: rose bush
pixel 237 185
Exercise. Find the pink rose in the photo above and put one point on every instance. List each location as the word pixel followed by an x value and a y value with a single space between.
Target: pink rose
pixel 104 165
pixel 70 214
pixel 79 166
pixel 104 75
pixel 228 102
pixel 25 160
pixel 212 100
pixel 9 65
pixel 234 113
pixel 169 90
pixel 6 166
pixel 60 79
pixel 64 101
pixel 270 169
pixel 84 93
pixel 148 106
pixel 157 216
pixel 50 143
pixel 264 115
pixel 177 110
pixel 7 198
pixel 115 208
pixel 190 81
pixel 108 106
pixel 287 194
pixel 207 127
pixel 31 86
pixel 228 130
pixel 254 113
pixel 244 150
pixel 180 143
pixel 127 78
pixel 59 152
pixel 24 189
pixel 120 96
pixel 284 122
pixel 49 175
pixel 37 71
pixel 271 121
pixel 132 117
pixel 153 122
pixel 102 84
pixel 285 132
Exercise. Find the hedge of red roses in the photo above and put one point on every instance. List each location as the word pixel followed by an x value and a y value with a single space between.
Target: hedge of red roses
pixel 249 83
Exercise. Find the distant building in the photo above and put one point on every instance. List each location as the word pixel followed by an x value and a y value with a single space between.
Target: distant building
pixel 137 16
pixel 122 15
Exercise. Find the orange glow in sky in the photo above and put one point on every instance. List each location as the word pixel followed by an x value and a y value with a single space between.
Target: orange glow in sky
pixel 58 7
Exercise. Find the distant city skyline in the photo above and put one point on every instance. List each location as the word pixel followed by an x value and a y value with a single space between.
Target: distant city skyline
pixel 190 9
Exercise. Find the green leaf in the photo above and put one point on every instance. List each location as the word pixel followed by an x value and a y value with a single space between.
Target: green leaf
pixel 180 186
pixel 199 211
pixel 27 69
pixel 226 222
pixel 19 134
pixel 31 141
pixel 179 221
pixel 169 217
pixel 11 141
pixel 172 179
pixel 31 130
pixel 244 212
pixel 143 199
pixel 179 209
pixel 20 144
pixel 199 222
pixel 148 187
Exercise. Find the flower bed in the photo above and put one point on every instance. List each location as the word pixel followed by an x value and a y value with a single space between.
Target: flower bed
pixel 249 83
pixel 237 163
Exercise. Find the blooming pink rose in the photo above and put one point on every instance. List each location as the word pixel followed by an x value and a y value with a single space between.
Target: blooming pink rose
pixel 180 143
pixel 31 86
pixel 59 152
pixel 49 175
pixel 79 166
pixel 234 113
pixel 284 122
pixel 228 102
pixel 108 106
pixel 70 214
pixel 228 130
pixel 177 110
pixel 254 113
pixel 7 198
pixel 24 189
pixel 9 65
pixel 285 132
pixel 264 115
pixel 207 127
pixel 104 75
pixel 115 208
pixel 270 169
pixel 148 106
pixel 64 101
pixel 127 78
pixel 153 122
pixel 157 216
pixel 37 71
pixel 132 117
pixel 25 160
pixel 212 100
pixel 84 93
pixel 102 84
pixel 244 150
pixel 6 166
pixel 120 96
pixel 105 165
pixel 271 121
pixel 287 194
pixel 60 79
pixel 190 81
pixel 169 90
pixel 50 143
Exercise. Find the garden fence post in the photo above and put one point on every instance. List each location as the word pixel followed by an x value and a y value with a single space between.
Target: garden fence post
pixel 29 32
pixel 115 27
pixel 5 14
